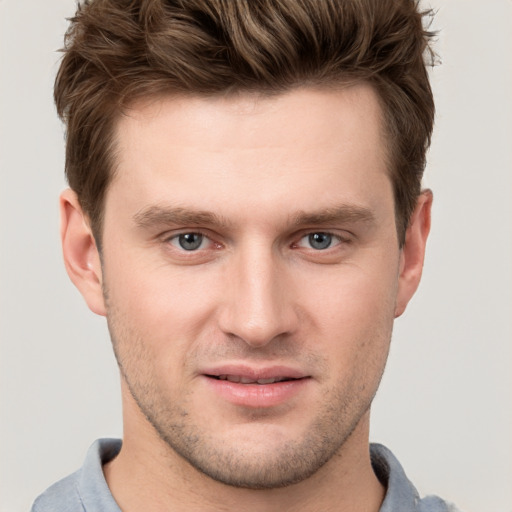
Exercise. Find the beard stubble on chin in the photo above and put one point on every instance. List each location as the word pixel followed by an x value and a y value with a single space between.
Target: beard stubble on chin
pixel 294 461
pixel 232 462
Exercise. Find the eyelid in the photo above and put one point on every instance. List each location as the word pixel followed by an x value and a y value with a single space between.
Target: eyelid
pixel 167 237
pixel 304 241
pixel 338 237
pixel 174 233
pixel 177 255
pixel 175 241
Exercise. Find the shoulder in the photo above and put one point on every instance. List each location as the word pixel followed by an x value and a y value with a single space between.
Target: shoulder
pixel 86 489
pixel 62 496
pixel 401 495
pixel 436 504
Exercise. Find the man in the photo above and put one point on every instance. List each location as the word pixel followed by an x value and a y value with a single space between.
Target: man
pixel 245 209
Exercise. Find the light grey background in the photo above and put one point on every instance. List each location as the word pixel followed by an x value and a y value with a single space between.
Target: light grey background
pixel 445 406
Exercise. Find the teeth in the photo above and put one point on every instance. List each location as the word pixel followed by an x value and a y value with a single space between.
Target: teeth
pixel 267 381
pixel 247 380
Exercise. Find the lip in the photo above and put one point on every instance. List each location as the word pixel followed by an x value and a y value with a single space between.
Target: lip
pixel 254 395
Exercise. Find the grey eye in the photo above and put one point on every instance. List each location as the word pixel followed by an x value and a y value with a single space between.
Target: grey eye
pixel 320 241
pixel 190 241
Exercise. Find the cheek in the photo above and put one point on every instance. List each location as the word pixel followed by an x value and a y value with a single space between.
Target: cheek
pixel 354 295
pixel 355 313
pixel 161 305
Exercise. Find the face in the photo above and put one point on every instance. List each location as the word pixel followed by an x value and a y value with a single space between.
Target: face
pixel 251 275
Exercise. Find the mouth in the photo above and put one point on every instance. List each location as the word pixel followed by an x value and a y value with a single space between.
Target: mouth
pixel 245 374
pixel 256 387
pixel 248 380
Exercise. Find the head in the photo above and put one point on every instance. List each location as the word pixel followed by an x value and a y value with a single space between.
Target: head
pixel 120 51
pixel 252 173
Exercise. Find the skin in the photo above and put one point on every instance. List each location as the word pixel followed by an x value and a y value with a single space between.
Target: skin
pixel 255 176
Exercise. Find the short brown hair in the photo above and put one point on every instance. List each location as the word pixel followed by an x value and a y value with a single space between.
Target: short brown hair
pixel 117 51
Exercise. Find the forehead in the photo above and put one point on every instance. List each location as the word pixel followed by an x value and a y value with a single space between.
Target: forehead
pixel 265 151
pixel 250 114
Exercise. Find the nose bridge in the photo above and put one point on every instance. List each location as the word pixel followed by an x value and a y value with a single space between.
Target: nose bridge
pixel 256 307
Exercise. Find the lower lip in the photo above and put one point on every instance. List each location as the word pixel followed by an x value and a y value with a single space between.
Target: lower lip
pixel 257 395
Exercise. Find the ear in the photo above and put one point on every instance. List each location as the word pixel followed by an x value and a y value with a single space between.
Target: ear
pixel 81 256
pixel 413 251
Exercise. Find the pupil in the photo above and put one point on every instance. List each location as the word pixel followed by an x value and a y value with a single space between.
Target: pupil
pixel 190 241
pixel 320 240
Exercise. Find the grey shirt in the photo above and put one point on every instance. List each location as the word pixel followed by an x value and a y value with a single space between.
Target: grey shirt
pixel 87 491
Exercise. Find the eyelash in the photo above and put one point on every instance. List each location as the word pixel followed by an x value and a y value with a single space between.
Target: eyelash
pixel 334 239
pixel 176 237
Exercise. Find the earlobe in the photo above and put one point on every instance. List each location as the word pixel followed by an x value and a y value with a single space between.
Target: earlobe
pixel 413 251
pixel 81 256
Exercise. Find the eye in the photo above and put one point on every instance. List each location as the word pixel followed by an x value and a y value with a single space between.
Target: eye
pixel 189 241
pixel 319 241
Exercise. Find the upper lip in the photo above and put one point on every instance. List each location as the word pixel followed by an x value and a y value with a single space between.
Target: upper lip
pixel 247 374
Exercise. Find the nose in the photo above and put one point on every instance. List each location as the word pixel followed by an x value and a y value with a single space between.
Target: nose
pixel 258 304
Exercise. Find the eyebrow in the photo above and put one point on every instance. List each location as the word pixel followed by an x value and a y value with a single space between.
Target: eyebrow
pixel 339 214
pixel 164 215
